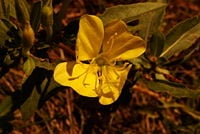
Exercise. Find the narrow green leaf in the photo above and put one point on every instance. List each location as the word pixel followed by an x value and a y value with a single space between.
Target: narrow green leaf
pixel 52 86
pixel 5 106
pixel 189 129
pixel 29 66
pixel 181 37
pixel 173 89
pixel 2 14
pixel 44 84
pixel 188 55
pixel 8 23
pixel 29 107
pixel 159 76
pixel 3 33
pixel 7 9
pixel 22 10
pixel 150 23
pixel 35 15
pixel 140 62
pixel 49 88
pixel 192 112
pixel 156 43
pixel 3 26
pixel 8 60
pixel 45 64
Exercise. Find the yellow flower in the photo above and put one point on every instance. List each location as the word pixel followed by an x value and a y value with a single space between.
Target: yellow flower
pixel 105 49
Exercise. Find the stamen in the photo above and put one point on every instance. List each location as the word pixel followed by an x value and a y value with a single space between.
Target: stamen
pixel 109 85
pixel 83 82
pixel 86 72
pixel 100 81
pixel 89 70
pixel 111 40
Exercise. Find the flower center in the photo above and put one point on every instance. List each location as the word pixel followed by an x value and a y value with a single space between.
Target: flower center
pixel 101 61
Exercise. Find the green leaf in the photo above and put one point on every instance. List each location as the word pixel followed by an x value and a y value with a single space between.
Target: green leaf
pixel 8 23
pixel 192 112
pixel 189 129
pixel 149 15
pixel 6 27
pixel 7 9
pixel 44 84
pixel 2 14
pixel 6 106
pixel 130 12
pixel 7 60
pixel 29 66
pixel 140 62
pixel 49 88
pixel 150 23
pixel 156 43
pixel 37 88
pixel 29 107
pixel 189 54
pixel 173 89
pixel 45 64
pixel 181 37
pixel 35 15
pixel 23 11
pixel 3 33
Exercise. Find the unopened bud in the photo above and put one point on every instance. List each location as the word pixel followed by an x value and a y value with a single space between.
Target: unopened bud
pixel 47 11
pixel 47 20
pixel 28 37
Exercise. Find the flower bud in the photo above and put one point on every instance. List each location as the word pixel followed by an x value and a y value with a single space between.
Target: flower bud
pixel 47 20
pixel 46 11
pixel 28 37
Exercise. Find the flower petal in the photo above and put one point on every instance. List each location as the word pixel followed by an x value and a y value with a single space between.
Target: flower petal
pixel 115 26
pixel 114 79
pixel 90 37
pixel 127 46
pixel 82 79
pixel 120 44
